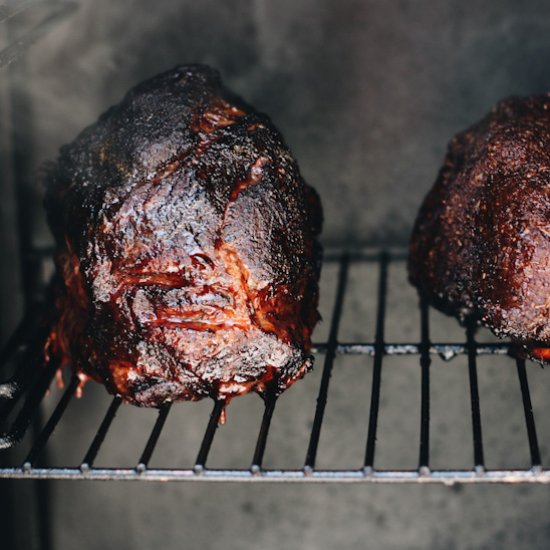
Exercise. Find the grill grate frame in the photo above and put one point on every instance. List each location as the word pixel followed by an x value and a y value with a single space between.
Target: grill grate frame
pixel 31 383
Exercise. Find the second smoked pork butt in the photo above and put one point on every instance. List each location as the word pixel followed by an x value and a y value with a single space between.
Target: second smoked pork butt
pixel 186 247
pixel 481 242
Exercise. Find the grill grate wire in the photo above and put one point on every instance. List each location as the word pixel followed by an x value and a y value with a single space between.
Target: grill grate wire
pixel 29 384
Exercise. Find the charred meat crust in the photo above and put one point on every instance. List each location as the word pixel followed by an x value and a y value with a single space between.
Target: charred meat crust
pixel 481 242
pixel 186 246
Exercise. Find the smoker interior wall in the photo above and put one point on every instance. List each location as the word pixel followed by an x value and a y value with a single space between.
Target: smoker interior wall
pixel 367 94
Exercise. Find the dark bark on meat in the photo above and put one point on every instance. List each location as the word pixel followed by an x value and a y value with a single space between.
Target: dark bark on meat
pixel 186 246
pixel 481 243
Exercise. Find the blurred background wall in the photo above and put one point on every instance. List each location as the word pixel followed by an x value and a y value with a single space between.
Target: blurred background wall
pixel 367 94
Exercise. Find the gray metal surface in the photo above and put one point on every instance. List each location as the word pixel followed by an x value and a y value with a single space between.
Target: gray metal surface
pixel 55 12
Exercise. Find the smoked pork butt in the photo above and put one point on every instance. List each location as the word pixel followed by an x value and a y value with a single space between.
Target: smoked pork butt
pixel 480 247
pixel 186 247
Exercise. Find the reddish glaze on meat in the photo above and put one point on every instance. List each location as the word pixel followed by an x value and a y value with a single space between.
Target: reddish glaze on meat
pixel 187 256
pixel 481 243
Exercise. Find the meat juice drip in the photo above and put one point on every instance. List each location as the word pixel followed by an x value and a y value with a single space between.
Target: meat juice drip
pixel 541 354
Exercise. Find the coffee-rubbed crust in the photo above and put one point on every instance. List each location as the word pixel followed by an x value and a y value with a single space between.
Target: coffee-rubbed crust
pixel 481 243
pixel 186 246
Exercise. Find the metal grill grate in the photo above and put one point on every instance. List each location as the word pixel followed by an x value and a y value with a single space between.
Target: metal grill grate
pixel 20 399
